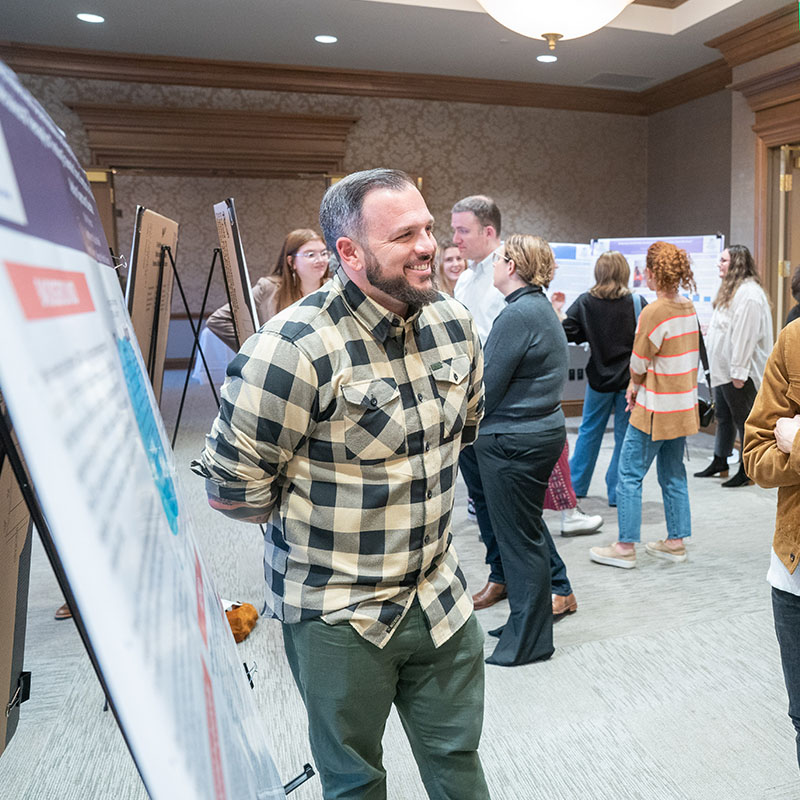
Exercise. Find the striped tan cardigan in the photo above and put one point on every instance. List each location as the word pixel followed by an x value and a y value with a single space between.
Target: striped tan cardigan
pixel 664 362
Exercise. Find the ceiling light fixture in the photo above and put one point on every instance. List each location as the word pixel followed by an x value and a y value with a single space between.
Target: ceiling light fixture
pixel 545 19
pixel 96 18
pixel 324 38
pixel 546 59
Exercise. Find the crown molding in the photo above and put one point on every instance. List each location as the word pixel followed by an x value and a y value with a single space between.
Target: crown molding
pixel 758 38
pixel 771 89
pixel 184 141
pixel 93 65
pixel 692 85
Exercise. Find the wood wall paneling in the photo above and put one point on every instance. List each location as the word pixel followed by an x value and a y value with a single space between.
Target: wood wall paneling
pixel 185 141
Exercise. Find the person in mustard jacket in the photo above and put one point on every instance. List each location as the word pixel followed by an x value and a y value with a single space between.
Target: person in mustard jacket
pixel 771 454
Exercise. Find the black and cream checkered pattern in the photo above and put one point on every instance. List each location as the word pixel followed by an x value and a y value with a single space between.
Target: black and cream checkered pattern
pixel 346 421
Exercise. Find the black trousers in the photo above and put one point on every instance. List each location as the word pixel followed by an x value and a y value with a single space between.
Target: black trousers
pixel 732 406
pixel 515 468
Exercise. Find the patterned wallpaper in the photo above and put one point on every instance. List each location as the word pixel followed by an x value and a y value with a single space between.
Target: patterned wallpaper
pixel 567 175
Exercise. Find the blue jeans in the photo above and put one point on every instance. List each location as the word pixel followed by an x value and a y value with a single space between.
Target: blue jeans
pixel 638 452
pixel 786 610
pixel 597 408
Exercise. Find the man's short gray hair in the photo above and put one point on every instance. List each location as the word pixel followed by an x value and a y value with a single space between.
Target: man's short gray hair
pixel 340 210
pixel 484 208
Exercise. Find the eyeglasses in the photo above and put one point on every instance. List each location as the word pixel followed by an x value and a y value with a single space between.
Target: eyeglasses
pixel 498 256
pixel 311 255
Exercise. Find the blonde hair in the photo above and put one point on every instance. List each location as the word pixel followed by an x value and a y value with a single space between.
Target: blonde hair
pixel 533 258
pixel 670 267
pixel 611 274
pixel 445 284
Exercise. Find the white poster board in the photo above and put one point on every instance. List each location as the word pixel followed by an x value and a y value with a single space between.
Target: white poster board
pixel 575 273
pixel 149 288
pixel 77 392
pixel 243 308
pixel 703 251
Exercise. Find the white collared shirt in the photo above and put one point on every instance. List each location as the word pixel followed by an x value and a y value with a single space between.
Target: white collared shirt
pixel 476 290
pixel 739 338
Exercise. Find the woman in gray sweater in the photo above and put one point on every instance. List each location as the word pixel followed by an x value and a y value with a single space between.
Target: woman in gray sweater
pixel 520 440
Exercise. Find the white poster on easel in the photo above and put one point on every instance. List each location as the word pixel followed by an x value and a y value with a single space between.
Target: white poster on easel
pixel 703 251
pixel 88 425
pixel 237 278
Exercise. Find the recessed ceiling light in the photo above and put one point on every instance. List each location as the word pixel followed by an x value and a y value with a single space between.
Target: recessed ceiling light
pixel 547 59
pixel 324 38
pixel 91 18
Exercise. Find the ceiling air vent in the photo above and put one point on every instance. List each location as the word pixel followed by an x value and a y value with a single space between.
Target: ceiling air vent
pixel 613 80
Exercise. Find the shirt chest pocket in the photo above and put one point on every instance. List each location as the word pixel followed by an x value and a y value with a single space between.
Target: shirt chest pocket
pixel 374 423
pixel 451 380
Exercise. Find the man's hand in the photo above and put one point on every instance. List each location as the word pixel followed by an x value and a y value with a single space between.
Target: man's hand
pixel 785 430
pixel 737 384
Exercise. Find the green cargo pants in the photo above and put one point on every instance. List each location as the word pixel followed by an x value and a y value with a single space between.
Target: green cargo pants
pixel 348 686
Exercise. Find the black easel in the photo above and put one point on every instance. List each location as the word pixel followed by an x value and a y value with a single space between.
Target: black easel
pixel 196 348
pixel 8 448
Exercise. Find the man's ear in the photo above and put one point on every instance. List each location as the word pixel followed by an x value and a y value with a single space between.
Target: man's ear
pixel 349 253
pixel 491 233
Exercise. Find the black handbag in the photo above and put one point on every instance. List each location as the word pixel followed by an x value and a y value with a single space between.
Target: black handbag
pixel 705 408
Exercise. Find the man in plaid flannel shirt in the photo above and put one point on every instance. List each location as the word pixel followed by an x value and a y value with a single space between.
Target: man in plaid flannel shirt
pixel 340 427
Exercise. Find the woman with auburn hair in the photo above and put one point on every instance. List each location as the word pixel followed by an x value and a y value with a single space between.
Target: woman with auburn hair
pixel 449 265
pixel 605 317
pixel 301 268
pixel 662 399
pixel 520 439
pixel 739 343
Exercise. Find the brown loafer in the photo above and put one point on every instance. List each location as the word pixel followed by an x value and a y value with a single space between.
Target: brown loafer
pixel 490 594
pixel 63 612
pixel 564 604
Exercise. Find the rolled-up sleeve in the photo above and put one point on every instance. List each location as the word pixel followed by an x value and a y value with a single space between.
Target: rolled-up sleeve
pixel 266 413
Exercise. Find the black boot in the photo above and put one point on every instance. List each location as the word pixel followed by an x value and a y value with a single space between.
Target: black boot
pixel 717 466
pixel 739 479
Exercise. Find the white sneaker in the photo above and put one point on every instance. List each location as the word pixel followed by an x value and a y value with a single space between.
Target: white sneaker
pixel 579 524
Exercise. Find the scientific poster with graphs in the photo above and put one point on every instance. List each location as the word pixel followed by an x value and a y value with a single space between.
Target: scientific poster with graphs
pixel 87 421
pixel 237 278
pixel 703 251
pixel 149 288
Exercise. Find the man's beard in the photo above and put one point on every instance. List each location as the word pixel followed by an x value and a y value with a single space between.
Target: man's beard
pixel 399 288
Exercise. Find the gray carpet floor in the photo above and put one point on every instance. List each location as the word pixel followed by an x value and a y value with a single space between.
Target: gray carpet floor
pixel 665 685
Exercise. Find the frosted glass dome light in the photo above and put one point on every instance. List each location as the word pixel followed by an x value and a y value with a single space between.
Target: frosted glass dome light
pixel 554 19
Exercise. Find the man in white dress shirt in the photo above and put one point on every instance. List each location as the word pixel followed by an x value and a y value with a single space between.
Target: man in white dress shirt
pixel 476 232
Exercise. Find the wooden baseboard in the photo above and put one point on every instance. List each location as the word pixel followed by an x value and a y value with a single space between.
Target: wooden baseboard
pixel 572 408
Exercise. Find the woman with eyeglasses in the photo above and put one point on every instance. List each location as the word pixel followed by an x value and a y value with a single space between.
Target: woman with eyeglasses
pixel 520 440
pixel 302 267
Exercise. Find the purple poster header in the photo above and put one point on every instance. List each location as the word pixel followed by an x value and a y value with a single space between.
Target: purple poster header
pixel 43 189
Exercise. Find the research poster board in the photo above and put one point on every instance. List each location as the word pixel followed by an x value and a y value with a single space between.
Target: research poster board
pixel 574 276
pixel 575 273
pixel 88 425
pixel 149 288
pixel 704 252
pixel 243 309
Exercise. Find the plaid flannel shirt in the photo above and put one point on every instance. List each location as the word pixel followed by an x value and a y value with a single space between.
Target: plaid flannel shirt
pixel 345 421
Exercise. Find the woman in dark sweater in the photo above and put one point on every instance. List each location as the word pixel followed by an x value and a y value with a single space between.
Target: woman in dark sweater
pixel 520 440
pixel 605 317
